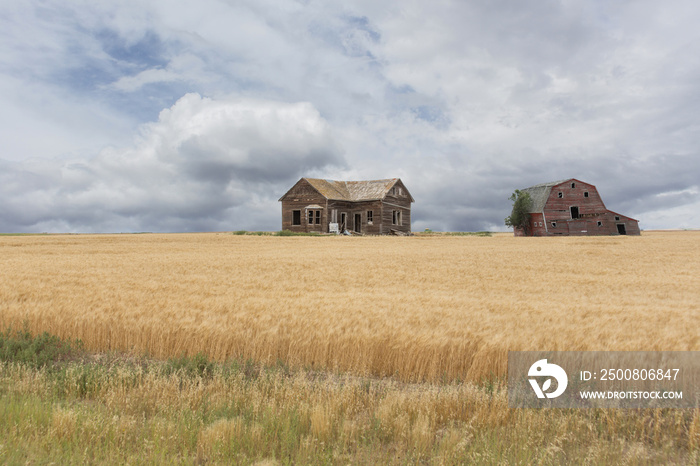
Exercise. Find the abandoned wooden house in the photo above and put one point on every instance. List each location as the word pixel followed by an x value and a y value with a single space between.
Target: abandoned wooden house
pixel 377 207
pixel 572 207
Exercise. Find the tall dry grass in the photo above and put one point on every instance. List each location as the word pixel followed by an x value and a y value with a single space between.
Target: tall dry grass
pixel 419 308
pixel 126 411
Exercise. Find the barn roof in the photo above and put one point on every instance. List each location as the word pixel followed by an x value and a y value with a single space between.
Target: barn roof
pixel 353 190
pixel 540 193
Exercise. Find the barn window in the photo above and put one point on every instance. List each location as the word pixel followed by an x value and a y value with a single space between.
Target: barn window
pixel 574 212
pixel 318 217
pixel 600 224
pixel 370 217
pixel 561 195
pixel 554 224
pixel 573 185
pixel 585 194
pixel 393 191
pixel 296 217
pixel 617 218
pixel 400 191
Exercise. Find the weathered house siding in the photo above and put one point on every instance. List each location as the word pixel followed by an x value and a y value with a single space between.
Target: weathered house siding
pixel 395 203
pixel 299 198
pixel 368 207
pixel 352 210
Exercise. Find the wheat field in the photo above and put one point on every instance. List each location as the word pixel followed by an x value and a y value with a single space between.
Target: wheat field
pixel 421 308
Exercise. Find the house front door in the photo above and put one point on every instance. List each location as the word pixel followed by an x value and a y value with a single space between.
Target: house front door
pixel 358 223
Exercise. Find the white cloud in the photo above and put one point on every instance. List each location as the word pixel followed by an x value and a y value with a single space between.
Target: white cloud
pixel 188 171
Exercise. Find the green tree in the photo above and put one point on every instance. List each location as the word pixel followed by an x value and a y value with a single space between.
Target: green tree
pixel 520 215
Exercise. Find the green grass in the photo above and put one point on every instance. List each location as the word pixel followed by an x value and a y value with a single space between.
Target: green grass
pixel 23 234
pixel 276 233
pixel 297 233
pixel 124 409
pixel 468 233
pixel 252 233
pixel 195 366
pixel 429 232
pixel 36 351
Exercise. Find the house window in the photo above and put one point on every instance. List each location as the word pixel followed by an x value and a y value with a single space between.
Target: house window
pixel 554 224
pixel 400 191
pixel 314 214
pixel 296 217
pixel 396 217
pixel 617 219
pixel 370 217
pixel 600 224
pixel 561 195
pixel 574 212
pixel 585 194
pixel 573 185
pixel 393 191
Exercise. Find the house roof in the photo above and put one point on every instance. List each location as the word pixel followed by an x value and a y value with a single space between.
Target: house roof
pixel 353 191
pixel 539 194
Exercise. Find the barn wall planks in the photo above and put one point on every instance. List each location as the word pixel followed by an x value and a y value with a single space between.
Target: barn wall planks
pixel 575 208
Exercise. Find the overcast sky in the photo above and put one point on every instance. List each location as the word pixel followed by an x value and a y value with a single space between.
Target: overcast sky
pixel 198 116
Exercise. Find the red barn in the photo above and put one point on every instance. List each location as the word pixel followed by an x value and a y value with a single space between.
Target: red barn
pixel 574 208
